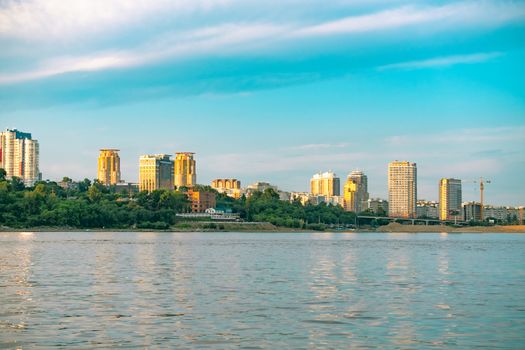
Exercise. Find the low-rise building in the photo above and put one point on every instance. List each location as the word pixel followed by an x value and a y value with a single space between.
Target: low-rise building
pixel 427 209
pixel 201 200
pixel 377 206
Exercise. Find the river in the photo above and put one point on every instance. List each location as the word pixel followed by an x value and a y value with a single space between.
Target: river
pixel 261 290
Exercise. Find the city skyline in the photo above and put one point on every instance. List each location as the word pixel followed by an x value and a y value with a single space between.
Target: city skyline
pixel 276 91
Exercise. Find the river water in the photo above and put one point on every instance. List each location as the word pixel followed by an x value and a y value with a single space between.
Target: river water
pixel 261 290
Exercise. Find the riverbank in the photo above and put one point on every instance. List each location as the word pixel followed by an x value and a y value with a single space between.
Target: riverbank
pixel 396 227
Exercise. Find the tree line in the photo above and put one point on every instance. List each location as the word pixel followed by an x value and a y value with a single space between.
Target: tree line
pixel 91 205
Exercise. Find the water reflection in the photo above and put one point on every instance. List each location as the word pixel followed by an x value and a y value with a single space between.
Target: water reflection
pixel 100 290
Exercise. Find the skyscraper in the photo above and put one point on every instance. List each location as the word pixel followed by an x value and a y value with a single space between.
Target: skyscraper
pixel 109 167
pixel 325 184
pixel 402 189
pixel 356 192
pixel 185 170
pixel 19 156
pixel 449 199
pixel 155 172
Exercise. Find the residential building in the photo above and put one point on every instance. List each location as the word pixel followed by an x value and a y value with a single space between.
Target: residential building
pixel 471 211
pixel 355 192
pixel 303 197
pixel 231 187
pixel 155 172
pixel 502 214
pixel 127 188
pixel 325 184
pixel 201 200
pixel 109 167
pixel 402 189
pixel 449 199
pixel 427 209
pixel 185 170
pixel 377 206
pixel 19 156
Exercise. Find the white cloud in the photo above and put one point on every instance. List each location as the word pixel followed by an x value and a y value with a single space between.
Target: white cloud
pixel 176 46
pixel 59 19
pixel 443 61
pixel 484 13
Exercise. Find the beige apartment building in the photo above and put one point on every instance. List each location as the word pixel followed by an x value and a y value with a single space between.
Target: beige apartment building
pixel 450 199
pixel 231 187
pixel 325 184
pixel 19 156
pixel 185 170
pixel 402 189
pixel 155 172
pixel 109 167
pixel 355 192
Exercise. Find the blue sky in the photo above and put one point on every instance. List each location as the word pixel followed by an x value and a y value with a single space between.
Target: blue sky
pixel 275 90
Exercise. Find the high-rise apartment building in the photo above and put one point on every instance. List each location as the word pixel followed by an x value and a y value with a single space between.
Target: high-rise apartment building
pixel 450 199
pixel 355 192
pixel 185 170
pixel 155 172
pixel 109 167
pixel 402 189
pixel 19 156
pixel 325 184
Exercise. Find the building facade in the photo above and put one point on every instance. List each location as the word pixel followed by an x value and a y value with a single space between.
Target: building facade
pixel 155 172
pixel 19 156
pixel 355 192
pixel 377 206
pixel 471 211
pixel 427 209
pixel 231 187
pixel 185 170
pixel 109 167
pixel 325 184
pixel 450 199
pixel 402 189
pixel 201 200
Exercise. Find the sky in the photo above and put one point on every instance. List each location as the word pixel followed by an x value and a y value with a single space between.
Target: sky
pixel 273 90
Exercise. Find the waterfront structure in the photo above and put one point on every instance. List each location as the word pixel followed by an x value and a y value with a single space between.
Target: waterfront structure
pixel 201 200
pixel 402 189
pixel 109 167
pixel 155 172
pixel 325 184
pixel 231 187
pixel 377 206
pixel 427 209
pixel 449 199
pixel 19 156
pixel 471 211
pixel 185 170
pixel 355 192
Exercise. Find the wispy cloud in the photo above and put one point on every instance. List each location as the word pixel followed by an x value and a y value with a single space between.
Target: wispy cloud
pixel 485 13
pixel 320 146
pixel 443 61
pixel 176 46
pixel 461 137
pixel 49 20
pixel 57 19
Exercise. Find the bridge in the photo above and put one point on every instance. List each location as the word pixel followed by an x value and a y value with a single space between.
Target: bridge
pixel 413 221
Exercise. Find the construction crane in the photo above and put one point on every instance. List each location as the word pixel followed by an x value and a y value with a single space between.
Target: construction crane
pixel 482 183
